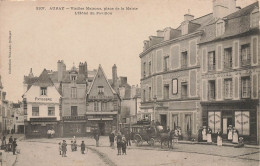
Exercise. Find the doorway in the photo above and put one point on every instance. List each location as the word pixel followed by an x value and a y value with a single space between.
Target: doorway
pixel 101 127
pixel 164 121
pixel 226 122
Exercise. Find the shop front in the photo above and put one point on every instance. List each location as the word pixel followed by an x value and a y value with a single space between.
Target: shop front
pixel 239 114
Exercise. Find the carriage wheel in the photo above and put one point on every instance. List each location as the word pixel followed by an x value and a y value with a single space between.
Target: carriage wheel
pixel 138 140
pixel 151 142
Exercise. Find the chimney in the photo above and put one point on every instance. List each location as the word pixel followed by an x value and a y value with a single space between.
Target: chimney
pixel 222 8
pixel 61 68
pixel 123 80
pixel 31 73
pixel 4 95
pixel 146 45
pixel 86 69
pixel 81 68
pixel 114 75
pixel 188 16
pixel 160 33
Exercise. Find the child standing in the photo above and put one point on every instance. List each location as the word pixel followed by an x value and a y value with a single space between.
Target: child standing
pixel 60 147
pixel 124 145
pixel 82 147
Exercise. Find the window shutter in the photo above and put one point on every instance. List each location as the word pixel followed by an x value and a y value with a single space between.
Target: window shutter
pixel 159 56
pixel 159 87
pixel 219 58
pixel 219 95
pixel 193 53
pixel 254 55
pixel 236 88
pixel 193 83
pixel 254 85
pixel 204 90
pixel 175 57
pixel 236 55
pixel 204 60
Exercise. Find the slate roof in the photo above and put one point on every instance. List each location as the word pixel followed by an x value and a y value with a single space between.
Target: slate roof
pixel 44 80
pixel 237 23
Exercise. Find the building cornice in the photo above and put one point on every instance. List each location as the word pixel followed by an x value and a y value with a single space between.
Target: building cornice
pixel 170 42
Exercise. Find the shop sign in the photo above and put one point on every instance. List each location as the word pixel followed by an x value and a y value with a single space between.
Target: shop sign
pixel 43 99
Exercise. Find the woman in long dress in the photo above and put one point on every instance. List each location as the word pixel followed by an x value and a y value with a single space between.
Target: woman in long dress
pixel 204 134
pixel 219 138
pixel 209 139
pixel 235 136
pixel 230 133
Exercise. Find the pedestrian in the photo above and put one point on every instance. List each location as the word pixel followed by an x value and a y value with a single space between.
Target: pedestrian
pixel 176 136
pixel 75 146
pixel 209 138
pixel 230 133
pixel 235 136
pixel 204 134
pixel 64 148
pixel 112 139
pixel 60 148
pixel 179 133
pixel 82 147
pixel 219 137
pixel 96 137
pixel 52 133
pixel 3 145
pixel 10 143
pixel 14 145
pixel 128 138
pixel 123 145
pixel 119 146
pixel 240 143
pixel 49 133
pixel 200 134
pixel 74 138
pixel 72 146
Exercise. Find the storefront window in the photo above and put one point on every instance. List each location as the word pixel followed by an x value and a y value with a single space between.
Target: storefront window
pixel 242 122
pixel 214 119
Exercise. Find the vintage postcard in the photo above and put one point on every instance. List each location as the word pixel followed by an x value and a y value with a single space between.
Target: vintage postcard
pixel 130 83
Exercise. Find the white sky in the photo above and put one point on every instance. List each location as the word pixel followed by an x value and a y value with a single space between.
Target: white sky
pixel 41 38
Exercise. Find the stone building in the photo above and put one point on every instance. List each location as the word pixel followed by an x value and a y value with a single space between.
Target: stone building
pixel 205 72
pixel 41 105
pixel 230 70
pixel 103 105
pixel 170 76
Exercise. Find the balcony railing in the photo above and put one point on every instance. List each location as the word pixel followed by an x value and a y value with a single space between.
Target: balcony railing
pixel 212 67
pixel 245 62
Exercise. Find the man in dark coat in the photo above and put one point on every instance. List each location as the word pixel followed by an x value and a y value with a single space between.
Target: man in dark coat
pixel 128 138
pixel 112 139
pixel 64 148
pixel 82 147
pixel 96 137
pixel 14 145
pixel 10 143
pixel 200 134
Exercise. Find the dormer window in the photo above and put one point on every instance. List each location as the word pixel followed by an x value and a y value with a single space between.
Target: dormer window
pixel 254 19
pixel 43 91
pixel 220 28
pixel 100 90
pixel 73 77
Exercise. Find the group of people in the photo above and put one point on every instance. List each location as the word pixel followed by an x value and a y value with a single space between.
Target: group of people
pixel 205 135
pixel 50 133
pixel 63 147
pixel 10 146
pixel 122 141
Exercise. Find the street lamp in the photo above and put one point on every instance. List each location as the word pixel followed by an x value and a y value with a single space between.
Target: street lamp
pixel 154 106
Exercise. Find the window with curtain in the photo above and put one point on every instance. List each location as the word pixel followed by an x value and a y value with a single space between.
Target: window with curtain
pixel 188 122
pixel 214 120
pixel 242 122
pixel 174 121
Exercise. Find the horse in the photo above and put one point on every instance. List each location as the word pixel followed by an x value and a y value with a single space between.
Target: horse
pixel 167 137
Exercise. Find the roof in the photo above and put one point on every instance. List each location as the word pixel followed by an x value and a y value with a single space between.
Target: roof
pixel 102 71
pixel 237 23
pixel 44 79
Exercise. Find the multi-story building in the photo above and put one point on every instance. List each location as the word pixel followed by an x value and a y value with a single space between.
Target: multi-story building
pixel 1 106
pixel 41 105
pixel 230 69
pixel 73 89
pixel 170 76
pixel 103 105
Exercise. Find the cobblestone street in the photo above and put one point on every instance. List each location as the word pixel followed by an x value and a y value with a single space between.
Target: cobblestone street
pixel 45 152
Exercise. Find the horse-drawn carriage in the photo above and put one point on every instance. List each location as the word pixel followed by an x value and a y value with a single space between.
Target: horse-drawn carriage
pixel 152 134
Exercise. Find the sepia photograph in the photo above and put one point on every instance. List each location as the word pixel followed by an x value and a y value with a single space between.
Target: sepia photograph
pixel 129 83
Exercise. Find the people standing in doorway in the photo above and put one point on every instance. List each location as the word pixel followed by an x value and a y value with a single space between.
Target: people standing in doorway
pixel 179 133
pixel 235 136
pixel 204 134
pixel 64 148
pixel 82 146
pixel 200 134
pixel 49 133
pixel 176 136
pixel 219 137
pixel 209 138
pixel 230 133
